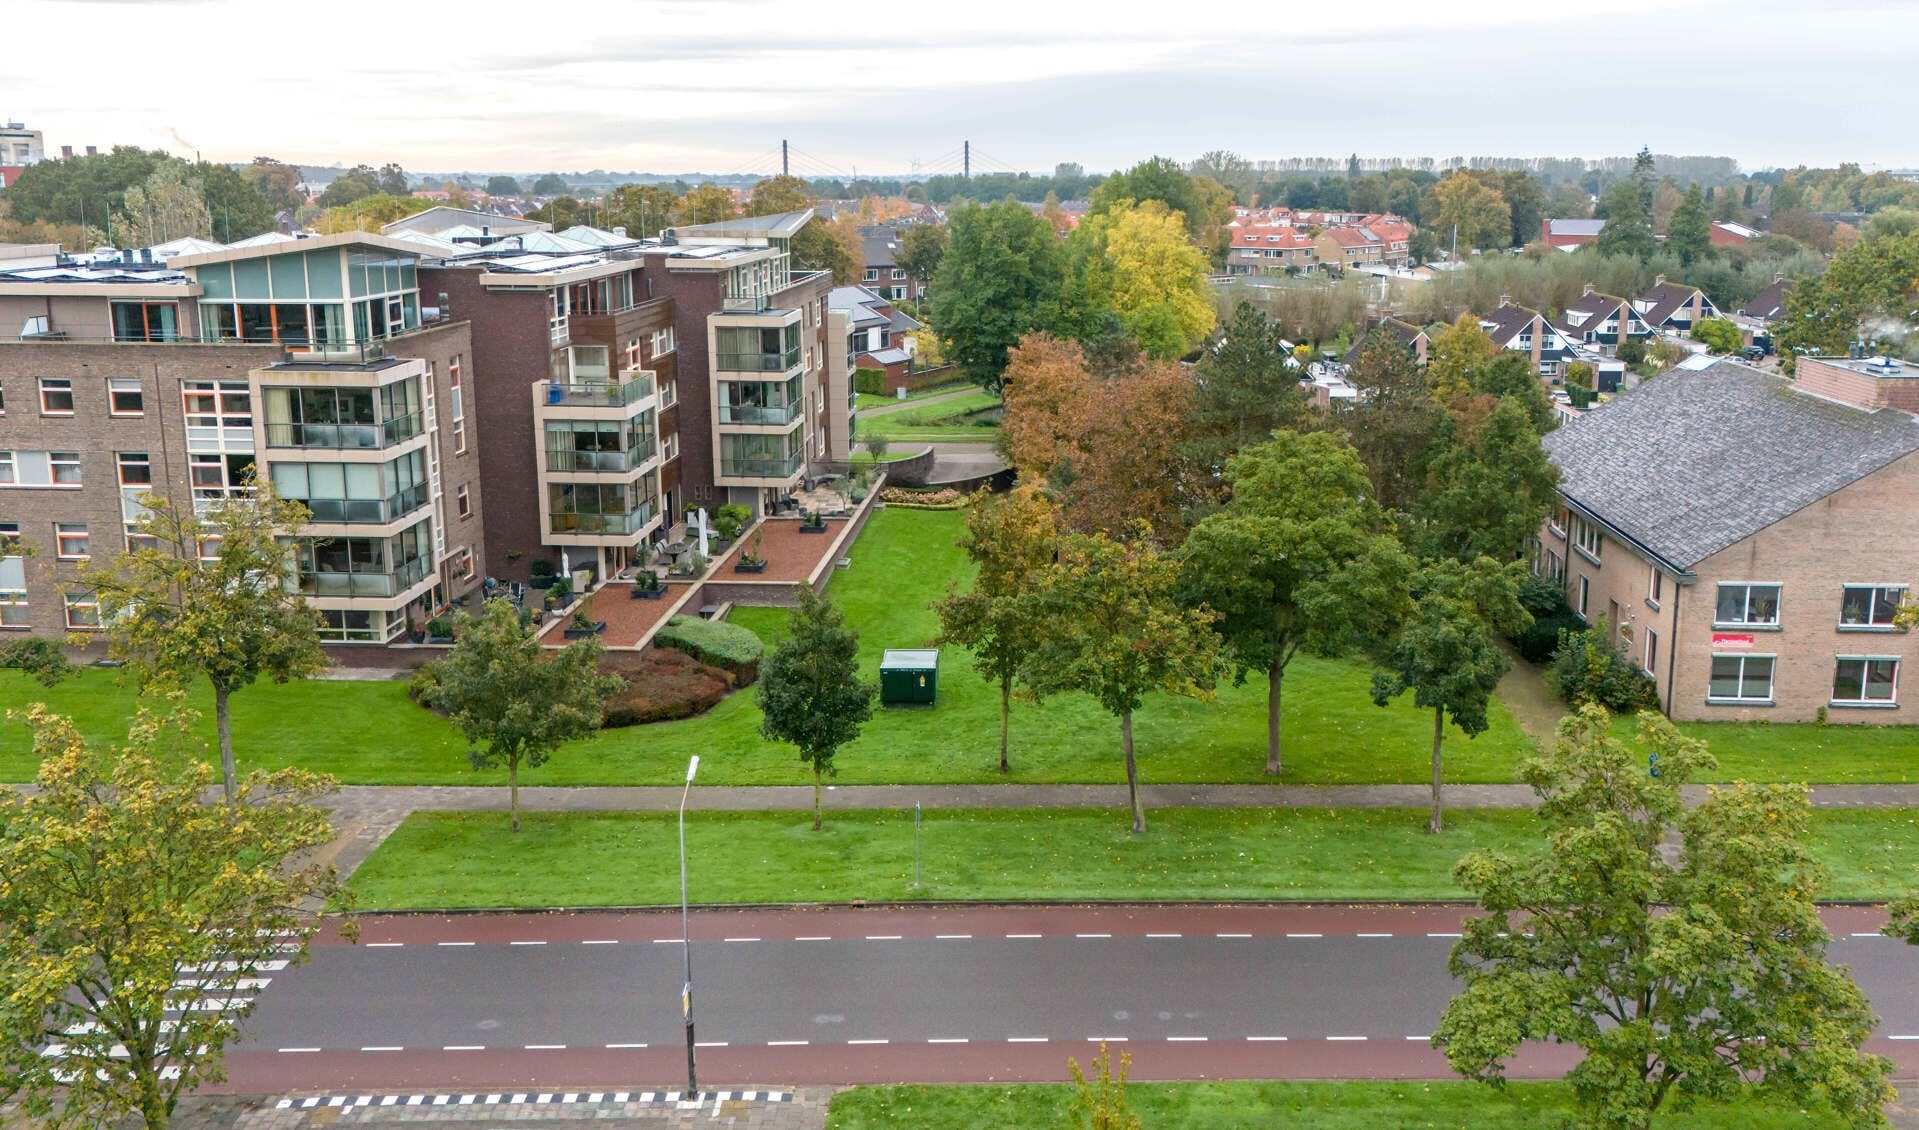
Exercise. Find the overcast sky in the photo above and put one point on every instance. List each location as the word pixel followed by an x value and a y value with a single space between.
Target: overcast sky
pixel 714 85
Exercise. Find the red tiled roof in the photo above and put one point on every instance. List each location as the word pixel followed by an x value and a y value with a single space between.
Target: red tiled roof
pixel 1269 236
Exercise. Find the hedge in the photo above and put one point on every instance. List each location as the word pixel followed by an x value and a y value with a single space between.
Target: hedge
pixel 661 685
pixel 727 646
pixel 870 381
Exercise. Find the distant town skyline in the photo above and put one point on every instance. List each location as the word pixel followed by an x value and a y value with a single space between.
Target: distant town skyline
pixel 712 86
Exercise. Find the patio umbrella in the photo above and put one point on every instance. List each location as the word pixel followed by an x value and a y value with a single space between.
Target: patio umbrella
pixel 699 517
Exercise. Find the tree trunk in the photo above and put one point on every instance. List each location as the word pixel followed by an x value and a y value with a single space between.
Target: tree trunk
pixel 1132 771
pixel 155 1110
pixel 223 721
pixel 1275 674
pixel 816 797
pixel 1005 699
pixel 513 790
pixel 1439 735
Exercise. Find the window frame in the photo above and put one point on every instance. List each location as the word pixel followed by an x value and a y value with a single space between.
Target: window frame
pixel 1585 597
pixel 1778 602
pixel 15 610
pixel 1865 682
pixel 1655 588
pixel 114 393
pixel 47 388
pixel 74 462
pixel 1588 539
pixel 72 602
pixel 125 459
pixel 63 532
pixel 1772 677
pixel 1876 590
pixel 462 502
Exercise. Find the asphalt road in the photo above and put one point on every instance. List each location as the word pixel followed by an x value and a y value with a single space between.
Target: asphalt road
pixel 890 995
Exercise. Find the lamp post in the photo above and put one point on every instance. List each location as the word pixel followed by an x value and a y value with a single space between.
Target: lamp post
pixel 686 941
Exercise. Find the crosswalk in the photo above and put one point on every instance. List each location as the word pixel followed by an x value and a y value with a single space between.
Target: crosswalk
pixel 227 988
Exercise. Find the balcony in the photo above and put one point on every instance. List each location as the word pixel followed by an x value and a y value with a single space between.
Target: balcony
pixel 753 414
pixel 602 461
pixel 633 386
pixel 371 510
pixel 758 362
pixel 627 524
pixel 746 304
pixel 760 467
pixel 347 437
pixel 319 583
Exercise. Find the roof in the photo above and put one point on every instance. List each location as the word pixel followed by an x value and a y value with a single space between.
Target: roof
pixel 882 246
pixel 1769 303
pixel 1598 306
pixel 438 219
pixel 782 225
pixel 905 323
pixel 1583 229
pixel 861 303
pixel 910 658
pixel 1665 300
pixel 1508 322
pixel 260 247
pixel 1270 235
pixel 1689 464
pixel 1351 237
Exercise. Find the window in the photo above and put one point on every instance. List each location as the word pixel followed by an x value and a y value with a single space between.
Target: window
pixel 898 273
pixel 137 540
pixel 1748 605
pixel 897 293
pixel 463 502
pixel 64 466
pixel 136 468
pixel 1585 595
pixel 633 356
pixel 456 405
pixel 71 538
pixel 1863 680
pixel 1588 538
pixel 1652 652
pixel 83 611
pixel 124 397
pixel 13 581
pixel 662 341
pixel 3 401
pixel 56 396
pixel 872 274
pixel 1740 678
pixel 463 564
pixel 1655 588
pixel 1870 606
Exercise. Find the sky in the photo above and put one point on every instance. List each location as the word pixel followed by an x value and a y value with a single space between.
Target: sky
pixel 713 86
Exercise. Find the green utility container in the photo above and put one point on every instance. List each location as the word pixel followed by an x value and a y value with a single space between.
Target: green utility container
pixel 909 676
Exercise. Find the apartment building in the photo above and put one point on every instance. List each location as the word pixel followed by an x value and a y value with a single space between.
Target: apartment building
pixel 307 363
pixel 1747 538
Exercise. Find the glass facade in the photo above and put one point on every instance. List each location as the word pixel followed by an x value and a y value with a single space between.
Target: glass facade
pixel 775 403
pixel 310 298
pixel 757 349
pixel 351 418
pixel 355 492
pixel 775 456
pixel 370 567
pixel 601 508
pixel 599 445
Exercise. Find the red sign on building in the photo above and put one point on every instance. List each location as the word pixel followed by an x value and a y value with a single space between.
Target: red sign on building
pixel 1731 639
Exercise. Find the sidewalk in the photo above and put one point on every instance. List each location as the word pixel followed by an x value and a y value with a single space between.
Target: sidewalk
pixel 806 1110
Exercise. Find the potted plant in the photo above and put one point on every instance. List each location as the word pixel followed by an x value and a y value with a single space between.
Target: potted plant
pixel 813 523
pixel 751 561
pixel 582 626
pixel 439 630
pixel 558 592
pixel 728 521
pixel 541 574
pixel 647 586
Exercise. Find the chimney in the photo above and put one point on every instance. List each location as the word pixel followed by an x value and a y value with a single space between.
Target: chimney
pixel 1585 290
pixel 92 152
pixel 1505 300
pixel 1659 280
pixel 66 151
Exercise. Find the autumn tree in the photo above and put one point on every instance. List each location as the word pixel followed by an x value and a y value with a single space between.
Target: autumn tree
pixel 1876 279
pixel 1045 386
pixel 707 204
pixel 357 182
pixel 1302 557
pixel 1161 179
pixel 1448 655
pixel 1245 387
pixel 165 207
pixel 642 209
pixel 120 886
pixel 1696 977
pixel 1454 355
pixel 1000 279
pixel 810 692
pixel 1116 633
pixel 921 248
pixel 515 704
pixel 175 613
pixel 1477 210
pixel 1140 265
pixel 1011 542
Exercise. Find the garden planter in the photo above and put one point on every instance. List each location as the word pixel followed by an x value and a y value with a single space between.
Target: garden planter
pixel 573 633
pixel 743 567
pixel 638 593
pixel 806 529
pixel 541 582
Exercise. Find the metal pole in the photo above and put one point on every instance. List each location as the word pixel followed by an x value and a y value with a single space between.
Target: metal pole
pixel 916 845
pixel 686 946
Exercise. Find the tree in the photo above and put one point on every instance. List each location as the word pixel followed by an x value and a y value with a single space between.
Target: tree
pixel 165 207
pixel 1628 217
pixel 1101 1101
pixel 81 189
pixel 1721 335
pixel 810 692
pixel 921 248
pixel 1699 978
pixel 1140 265
pixel 1115 633
pixel 174 613
pixel 1491 490
pixel 1000 279
pixel 1689 232
pixel 235 207
pixel 831 245
pixel 1302 557
pixel 1012 542
pixel 1447 653
pixel 120 884
pixel 515 704
pixel 393 180
pixel 1396 426
pixel 502 186
pixel 371 213
pixel 642 209
pixel 359 181
pixel 1483 217
pixel 1876 279
pixel 1454 355
pixel 1229 169
pixel 1526 201
pixel 550 184
pixel 1245 388
pixel 707 204
pixel 1161 179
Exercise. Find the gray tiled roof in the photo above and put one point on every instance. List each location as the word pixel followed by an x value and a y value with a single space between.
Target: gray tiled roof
pixel 1690 463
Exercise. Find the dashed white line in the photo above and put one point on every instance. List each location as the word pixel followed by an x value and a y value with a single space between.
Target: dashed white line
pixel 1372 935
pixel 1232 935
pixel 384 945
pixel 1445 935
pixel 601 942
pixel 1026 1039
pixel 666 941
pixel 953 937
pixel 626 1045
pixel 1092 935
pixel 1902 1037
pixel 299 1050
pixel 1105 1039
pixel 882 937
pixel 948 1040
pixel 739 939
pixel 869 1041
pixel 1266 1039
pixel 1347 1039
pixel 526 943
pixel 814 938
pixel 1165 935
pixel 787 1043
pixel 1305 935
pixel 382 1048
pixel 710 1044
pixel 1872 934
pixel 454 943
pixel 464 1048
pixel 1185 1039
pixel 1422 1039
pixel 546 1047
pixel 1022 935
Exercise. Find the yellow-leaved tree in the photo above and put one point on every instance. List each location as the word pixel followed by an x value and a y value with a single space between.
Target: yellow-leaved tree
pixel 1140 264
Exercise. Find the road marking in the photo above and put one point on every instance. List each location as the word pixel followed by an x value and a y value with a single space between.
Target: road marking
pixel 1164 935
pixel 1026 1039
pixel 1232 935
pixel 456 943
pixel 626 1045
pixel 882 937
pixel 464 1048
pixel 384 945
pixel 814 938
pixel 713 1044
pixel 666 941
pixel 954 937
pixel 1266 1039
pixel 787 1043
pixel 1105 1039
pixel 1902 1037
pixel 1445 935
pixel 1092 935
pixel 1347 1039
pixel 1185 1039
pixel 1305 935
pixel 869 1041
pixel 526 943
pixel 546 1047
pixel 739 939
pixel 385 1048
pixel 948 1040
pixel 1873 934
pixel 1373 935
pixel 1022 935
pixel 601 942
pixel 291 1050
pixel 1420 1038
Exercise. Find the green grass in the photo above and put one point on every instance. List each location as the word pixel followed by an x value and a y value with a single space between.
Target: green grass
pixel 1449 1105
pixel 443 860
pixel 880 400
pixel 1760 751
pixel 935 413
pixel 371 734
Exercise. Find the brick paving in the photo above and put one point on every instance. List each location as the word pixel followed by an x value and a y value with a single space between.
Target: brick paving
pixel 627 620
pixel 791 556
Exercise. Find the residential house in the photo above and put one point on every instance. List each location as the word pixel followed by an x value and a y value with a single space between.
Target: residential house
pixel 1395 234
pixel 1413 338
pixel 1341 247
pixel 883 271
pixel 1746 538
pixel 1674 307
pixel 1529 332
pixel 878 333
pixel 1755 318
pixel 1597 322
pixel 1570 235
pixel 1268 249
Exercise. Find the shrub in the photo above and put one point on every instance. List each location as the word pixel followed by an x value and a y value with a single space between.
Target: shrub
pixel 1632 351
pixel 1590 667
pixel 425 677
pixel 661 685
pixel 1719 334
pixel 945 498
pixel 872 382
pixel 561 590
pixel 540 567
pixel 40 658
pixel 729 520
pixel 1551 615
pixel 440 628
pixel 729 647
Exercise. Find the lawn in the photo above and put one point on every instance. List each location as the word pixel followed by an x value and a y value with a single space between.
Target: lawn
pixel 467 860
pixel 868 400
pixel 956 419
pixel 1761 751
pixel 1449 1105
pixel 368 733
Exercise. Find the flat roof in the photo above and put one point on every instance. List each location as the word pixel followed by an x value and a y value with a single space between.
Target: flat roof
pixel 311 243
pixel 914 658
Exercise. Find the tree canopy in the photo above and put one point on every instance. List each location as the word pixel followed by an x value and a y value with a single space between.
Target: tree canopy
pixel 1001 278
pixel 810 692
pixel 1140 265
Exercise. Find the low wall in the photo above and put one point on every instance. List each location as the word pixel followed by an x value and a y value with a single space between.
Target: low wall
pixel 910 471
pixel 781 594
pixel 923 378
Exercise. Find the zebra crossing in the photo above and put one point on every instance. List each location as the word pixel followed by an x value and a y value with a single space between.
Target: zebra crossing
pixel 206 987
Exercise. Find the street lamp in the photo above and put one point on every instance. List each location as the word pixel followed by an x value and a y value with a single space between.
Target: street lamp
pixel 686 946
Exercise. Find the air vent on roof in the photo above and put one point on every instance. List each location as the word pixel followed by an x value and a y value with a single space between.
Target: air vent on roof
pixel 1882 365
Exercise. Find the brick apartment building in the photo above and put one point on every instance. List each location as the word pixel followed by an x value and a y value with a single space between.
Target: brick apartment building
pixel 1747 538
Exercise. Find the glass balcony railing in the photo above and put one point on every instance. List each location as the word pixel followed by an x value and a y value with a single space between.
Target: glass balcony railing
pixel 760 467
pixel 631 522
pixel 611 461
pixel 600 394
pixel 321 583
pixel 759 414
pixel 346 437
pixel 759 362
pixel 367 509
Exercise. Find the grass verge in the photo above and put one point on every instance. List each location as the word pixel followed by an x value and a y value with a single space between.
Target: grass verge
pixel 445 860
pixel 1297 1106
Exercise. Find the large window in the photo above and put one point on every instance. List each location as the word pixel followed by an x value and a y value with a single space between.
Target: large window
pixel 758 349
pixel 774 403
pixel 1870 606
pixel 1588 538
pixel 363 566
pixel 355 492
pixel 601 508
pixel 39 469
pixel 354 625
pixel 348 418
pixel 146 321
pixel 775 456
pixel 599 445
pixel 1740 678
pixel 83 611
pixel 1748 606
pixel 13 580
pixel 218 404
pixel 1865 680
